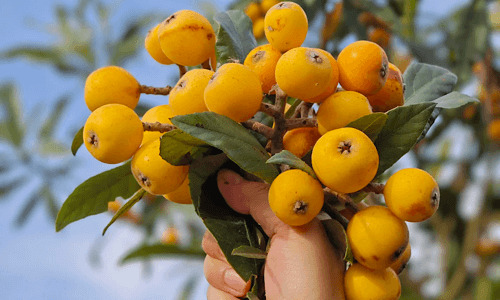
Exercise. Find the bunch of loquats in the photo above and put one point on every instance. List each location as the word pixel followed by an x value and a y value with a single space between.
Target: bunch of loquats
pixel 321 131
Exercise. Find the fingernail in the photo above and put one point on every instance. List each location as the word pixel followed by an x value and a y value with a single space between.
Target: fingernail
pixel 233 280
pixel 230 177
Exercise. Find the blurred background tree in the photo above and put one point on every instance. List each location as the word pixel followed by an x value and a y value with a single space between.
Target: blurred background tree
pixel 455 253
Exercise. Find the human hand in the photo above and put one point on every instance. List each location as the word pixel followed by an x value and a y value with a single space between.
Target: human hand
pixel 300 264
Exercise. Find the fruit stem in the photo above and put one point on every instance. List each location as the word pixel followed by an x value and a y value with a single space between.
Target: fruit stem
pixel 330 210
pixel 259 127
pixel 279 122
pixel 344 199
pixel 182 70
pixel 206 65
pixel 298 109
pixel 157 126
pixel 145 89
pixel 300 122
pixel 372 187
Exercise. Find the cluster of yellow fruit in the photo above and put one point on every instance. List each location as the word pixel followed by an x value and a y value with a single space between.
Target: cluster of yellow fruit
pixel 345 160
pixel 256 11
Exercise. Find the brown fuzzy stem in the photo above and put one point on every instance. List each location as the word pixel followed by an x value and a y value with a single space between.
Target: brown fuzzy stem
pixel 269 109
pixel 145 89
pixel 302 122
pixel 298 109
pixel 259 127
pixel 206 65
pixel 157 126
pixel 344 199
pixel 182 70
pixel 330 210
pixel 279 122
pixel 377 188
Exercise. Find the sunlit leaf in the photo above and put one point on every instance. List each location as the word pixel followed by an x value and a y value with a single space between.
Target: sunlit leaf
pixel 370 124
pixel 180 148
pixel 92 196
pixel 225 134
pixel 235 37
pixel 77 141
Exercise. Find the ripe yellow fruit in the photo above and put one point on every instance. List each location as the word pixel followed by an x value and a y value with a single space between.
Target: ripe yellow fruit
pixel 234 91
pixel 345 160
pixel 152 45
pixel 361 283
pixel 253 11
pixel 160 113
pixel 303 72
pixel 265 5
pixel 154 174
pixel 340 109
pixel 109 85
pixel 412 194
pixel 399 265
pixel 170 236
pixel 187 38
pixel 258 28
pixel 187 95
pixel 262 60
pixel 182 194
pixel 112 133
pixel 285 26
pixel 300 141
pixel 296 204
pixel 392 93
pixel 377 237
pixel 334 80
pixel 493 130
pixel 363 67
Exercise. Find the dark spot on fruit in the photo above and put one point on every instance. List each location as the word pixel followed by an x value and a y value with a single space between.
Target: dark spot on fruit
pixel 258 56
pixel 193 27
pixel 182 84
pixel 315 57
pixel 361 258
pixel 376 258
pixel 144 179
pixel 210 36
pixel 169 19
pixel 92 139
pixel 398 252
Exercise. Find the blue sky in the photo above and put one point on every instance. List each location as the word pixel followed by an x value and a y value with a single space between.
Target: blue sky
pixel 36 262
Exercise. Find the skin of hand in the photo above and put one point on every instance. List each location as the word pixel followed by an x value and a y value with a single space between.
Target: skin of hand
pixel 300 264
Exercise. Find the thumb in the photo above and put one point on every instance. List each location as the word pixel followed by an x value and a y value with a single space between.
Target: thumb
pixel 249 197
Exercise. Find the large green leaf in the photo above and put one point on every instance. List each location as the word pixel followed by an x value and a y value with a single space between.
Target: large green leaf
pixel 288 158
pixel 230 229
pixel 234 36
pixel 180 148
pixel 424 83
pixel 161 250
pixel 370 124
pixel 404 126
pixel 92 196
pixel 230 137
pixel 453 100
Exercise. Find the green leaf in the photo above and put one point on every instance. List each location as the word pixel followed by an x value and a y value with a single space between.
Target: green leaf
pixel 233 139
pixel 294 102
pixel 235 37
pixel 370 124
pixel 404 126
pixel 180 148
pixel 249 252
pixel 77 141
pixel 288 158
pixel 454 100
pixel 425 83
pixel 338 237
pixel 12 128
pixel 49 126
pixel 92 196
pixel 230 229
pixel 124 208
pixel 161 250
